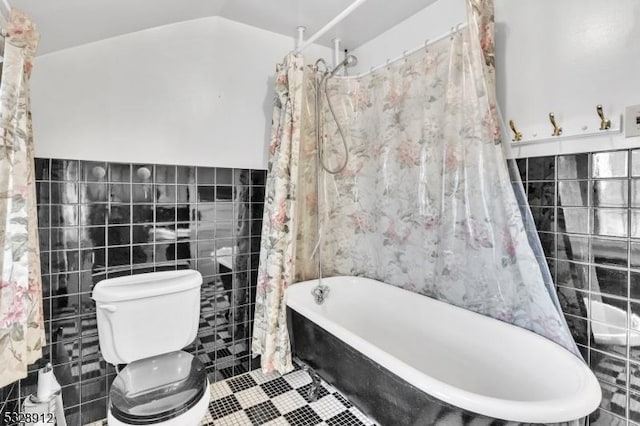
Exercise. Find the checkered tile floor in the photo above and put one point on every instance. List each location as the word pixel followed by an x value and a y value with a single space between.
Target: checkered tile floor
pixel 274 400
pixel 255 399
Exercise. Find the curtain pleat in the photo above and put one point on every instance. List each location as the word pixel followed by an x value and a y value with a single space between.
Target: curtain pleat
pixel 276 269
pixel 22 333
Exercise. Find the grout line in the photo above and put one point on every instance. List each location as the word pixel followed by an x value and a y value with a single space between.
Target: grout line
pixel 629 311
pixel 81 182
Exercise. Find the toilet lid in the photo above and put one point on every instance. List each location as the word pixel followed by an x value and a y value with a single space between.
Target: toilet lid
pixel 158 388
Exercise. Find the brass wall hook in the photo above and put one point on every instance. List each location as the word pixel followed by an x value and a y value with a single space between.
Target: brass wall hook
pixel 604 123
pixel 557 131
pixel 517 136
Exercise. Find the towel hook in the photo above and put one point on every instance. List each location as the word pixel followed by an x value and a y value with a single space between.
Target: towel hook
pixel 605 124
pixel 557 131
pixel 517 136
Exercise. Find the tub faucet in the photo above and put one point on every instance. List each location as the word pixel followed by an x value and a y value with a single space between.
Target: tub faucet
pixel 319 293
pixel 314 390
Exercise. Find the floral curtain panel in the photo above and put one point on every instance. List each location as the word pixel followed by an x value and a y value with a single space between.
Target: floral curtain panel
pixel 426 201
pixel 21 322
pixel 276 270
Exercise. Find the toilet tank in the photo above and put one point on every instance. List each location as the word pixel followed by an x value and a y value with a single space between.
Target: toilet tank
pixel 144 315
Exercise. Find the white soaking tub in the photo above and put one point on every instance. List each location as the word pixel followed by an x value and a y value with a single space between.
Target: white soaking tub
pixel 479 364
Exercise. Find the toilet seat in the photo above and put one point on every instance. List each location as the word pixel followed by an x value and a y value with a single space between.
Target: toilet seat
pixel 157 389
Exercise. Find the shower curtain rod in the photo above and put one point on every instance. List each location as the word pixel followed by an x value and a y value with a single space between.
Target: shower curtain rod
pixel 5 16
pixel 339 18
pixel 6 9
pixel 5 12
pixel 406 53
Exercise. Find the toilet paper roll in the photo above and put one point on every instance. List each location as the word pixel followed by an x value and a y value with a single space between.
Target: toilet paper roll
pixel 48 399
pixel 45 410
pixel 42 409
pixel 45 384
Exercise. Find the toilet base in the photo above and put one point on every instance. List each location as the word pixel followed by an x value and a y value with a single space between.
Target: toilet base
pixel 193 417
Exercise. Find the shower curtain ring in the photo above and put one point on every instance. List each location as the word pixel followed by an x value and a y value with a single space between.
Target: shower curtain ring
pixel 404 55
pixel 426 45
pixel 388 63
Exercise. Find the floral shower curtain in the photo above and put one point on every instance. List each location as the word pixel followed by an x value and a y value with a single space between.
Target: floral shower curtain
pixel 21 322
pixel 276 270
pixel 425 201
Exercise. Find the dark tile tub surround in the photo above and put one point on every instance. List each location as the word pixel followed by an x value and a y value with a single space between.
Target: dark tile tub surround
pixel 101 220
pixel 587 210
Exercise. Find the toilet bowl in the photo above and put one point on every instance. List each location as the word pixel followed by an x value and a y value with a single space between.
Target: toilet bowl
pixel 144 321
pixel 170 389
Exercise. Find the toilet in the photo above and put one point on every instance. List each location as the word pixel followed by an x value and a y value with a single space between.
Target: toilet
pixel 144 321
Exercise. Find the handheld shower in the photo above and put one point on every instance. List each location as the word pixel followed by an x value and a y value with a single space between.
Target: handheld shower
pixel 321 85
pixel 348 62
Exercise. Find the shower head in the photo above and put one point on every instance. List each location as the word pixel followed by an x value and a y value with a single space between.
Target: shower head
pixel 348 62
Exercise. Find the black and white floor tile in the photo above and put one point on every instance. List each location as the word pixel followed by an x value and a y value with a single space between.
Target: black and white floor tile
pixel 254 398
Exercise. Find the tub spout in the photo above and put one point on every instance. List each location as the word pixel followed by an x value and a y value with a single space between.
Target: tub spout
pixel 314 390
pixel 319 293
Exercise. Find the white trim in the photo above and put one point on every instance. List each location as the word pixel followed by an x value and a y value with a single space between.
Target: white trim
pixel 577 145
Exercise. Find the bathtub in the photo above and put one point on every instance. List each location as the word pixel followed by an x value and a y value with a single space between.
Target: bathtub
pixel 406 359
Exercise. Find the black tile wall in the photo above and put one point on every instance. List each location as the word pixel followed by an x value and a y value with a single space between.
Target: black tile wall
pixel 587 211
pixel 99 220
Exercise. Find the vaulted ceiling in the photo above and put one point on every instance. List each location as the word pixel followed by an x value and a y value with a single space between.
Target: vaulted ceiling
pixel 68 23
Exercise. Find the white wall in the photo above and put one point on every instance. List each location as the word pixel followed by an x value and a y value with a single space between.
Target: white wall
pixel 552 56
pixel 193 93
pixel 429 23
